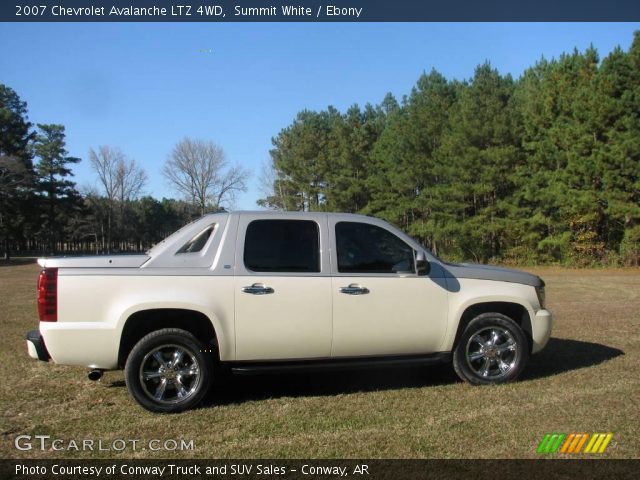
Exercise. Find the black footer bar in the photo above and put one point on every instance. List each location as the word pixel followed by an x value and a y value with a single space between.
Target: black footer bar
pixel 546 469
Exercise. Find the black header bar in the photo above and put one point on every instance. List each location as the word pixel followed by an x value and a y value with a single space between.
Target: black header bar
pixel 319 11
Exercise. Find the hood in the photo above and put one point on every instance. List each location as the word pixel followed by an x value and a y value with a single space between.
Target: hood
pixel 489 272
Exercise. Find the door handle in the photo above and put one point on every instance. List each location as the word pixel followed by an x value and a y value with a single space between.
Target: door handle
pixel 354 289
pixel 258 289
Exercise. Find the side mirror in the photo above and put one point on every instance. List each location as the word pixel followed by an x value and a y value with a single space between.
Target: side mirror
pixel 423 267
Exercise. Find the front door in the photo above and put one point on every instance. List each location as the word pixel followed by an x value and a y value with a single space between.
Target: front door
pixel 380 305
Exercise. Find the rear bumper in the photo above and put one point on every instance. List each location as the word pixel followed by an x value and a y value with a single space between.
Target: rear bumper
pixel 36 347
pixel 86 344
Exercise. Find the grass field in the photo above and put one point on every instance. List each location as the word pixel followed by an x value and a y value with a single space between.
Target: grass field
pixel 587 380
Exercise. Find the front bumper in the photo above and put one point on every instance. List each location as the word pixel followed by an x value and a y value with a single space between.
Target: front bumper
pixel 36 347
pixel 541 331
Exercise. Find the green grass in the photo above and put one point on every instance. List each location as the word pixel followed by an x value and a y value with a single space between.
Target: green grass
pixel 587 380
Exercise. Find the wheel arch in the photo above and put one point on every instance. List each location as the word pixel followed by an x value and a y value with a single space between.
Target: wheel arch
pixel 516 311
pixel 142 322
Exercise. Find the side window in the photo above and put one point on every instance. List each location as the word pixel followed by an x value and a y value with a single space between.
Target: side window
pixel 198 242
pixel 282 246
pixel 365 248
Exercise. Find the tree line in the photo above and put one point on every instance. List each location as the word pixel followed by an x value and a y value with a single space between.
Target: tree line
pixel 43 212
pixel 540 169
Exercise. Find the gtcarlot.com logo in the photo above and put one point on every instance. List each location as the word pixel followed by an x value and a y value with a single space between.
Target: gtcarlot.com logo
pixel 574 443
pixel 48 443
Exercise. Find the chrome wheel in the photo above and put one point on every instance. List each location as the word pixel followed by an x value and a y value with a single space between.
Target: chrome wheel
pixel 170 374
pixel 492 352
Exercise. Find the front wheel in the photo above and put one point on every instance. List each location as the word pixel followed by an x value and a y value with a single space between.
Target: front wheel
pixel 492 349
pixel 168 371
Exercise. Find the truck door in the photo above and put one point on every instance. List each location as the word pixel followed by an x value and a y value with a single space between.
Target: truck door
pixel 282 288
pixel 380 305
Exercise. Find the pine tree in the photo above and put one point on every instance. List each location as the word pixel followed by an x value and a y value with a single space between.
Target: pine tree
pixel 619 85
pixel 59 195
pixel 479 154
pixel 16 167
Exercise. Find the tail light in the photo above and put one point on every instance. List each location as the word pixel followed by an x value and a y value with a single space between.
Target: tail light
pixel 48 295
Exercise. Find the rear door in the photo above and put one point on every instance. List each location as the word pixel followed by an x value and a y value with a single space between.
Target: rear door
pixel 282 288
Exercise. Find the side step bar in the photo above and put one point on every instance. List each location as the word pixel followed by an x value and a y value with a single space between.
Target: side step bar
pixel 258 367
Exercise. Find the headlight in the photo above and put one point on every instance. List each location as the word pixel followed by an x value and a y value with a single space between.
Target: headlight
pixel 541 295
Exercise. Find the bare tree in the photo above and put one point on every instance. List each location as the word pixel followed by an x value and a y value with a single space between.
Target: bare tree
pixel 105 163
pixel 270 187
pixel 91 225
pixel 197 169
pixel 120 178
pixel 130 179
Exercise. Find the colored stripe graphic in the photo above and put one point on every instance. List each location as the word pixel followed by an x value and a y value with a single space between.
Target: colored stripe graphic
pixel 598 442
pixel 581 443
pixel 542 448
pixel 567 443
pixel 550 443
pixel 591 442
pixel 573 443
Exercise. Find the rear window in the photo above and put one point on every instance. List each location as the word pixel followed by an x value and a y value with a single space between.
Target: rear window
pixel 198 242
pixel 282 246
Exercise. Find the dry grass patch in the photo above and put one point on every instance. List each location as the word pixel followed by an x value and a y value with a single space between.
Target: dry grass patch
pixel 587 380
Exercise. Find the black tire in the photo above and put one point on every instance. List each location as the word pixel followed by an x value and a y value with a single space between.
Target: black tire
pixel 492 349
pixel 161 379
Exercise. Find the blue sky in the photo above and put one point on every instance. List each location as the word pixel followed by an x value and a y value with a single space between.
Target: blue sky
pixel 142 87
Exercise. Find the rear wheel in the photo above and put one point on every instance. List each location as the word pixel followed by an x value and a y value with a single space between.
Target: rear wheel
pixel 492 349
pixel 168 371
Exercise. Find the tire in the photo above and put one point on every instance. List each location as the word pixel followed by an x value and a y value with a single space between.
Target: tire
pixel 168 371
pixel 492 349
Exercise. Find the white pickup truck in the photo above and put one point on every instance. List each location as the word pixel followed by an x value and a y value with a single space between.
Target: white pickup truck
pixel 271 291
